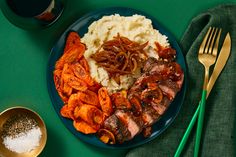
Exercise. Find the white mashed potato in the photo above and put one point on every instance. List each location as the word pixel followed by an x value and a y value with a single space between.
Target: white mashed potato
pixel 137 28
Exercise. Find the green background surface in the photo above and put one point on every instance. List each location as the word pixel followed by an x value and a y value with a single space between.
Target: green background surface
pixel 24 56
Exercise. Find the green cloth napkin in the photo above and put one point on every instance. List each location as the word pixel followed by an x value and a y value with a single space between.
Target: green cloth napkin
pixel 219 125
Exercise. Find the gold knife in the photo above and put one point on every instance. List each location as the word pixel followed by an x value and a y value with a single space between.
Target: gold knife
pixel 220 63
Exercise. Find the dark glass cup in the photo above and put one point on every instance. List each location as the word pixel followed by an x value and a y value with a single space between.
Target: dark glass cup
pixel 32 14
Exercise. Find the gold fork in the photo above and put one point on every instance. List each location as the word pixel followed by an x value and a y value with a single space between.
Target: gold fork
pixel 207 56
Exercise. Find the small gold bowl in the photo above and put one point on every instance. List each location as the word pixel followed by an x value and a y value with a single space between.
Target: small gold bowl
pixel 8 113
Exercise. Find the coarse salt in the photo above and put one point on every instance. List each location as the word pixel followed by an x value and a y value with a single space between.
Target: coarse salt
pixel 23 142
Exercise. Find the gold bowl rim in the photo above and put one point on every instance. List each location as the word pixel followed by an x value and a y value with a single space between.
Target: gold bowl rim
pixel 5 114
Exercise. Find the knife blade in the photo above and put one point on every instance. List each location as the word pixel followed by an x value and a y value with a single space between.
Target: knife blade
pixel 219 66
pixel 220 63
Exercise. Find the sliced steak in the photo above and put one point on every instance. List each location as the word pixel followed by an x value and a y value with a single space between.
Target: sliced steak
pixel 169 88
pixel 180 81
pixel 149 64
pixel 159 108
pixel 133 127
pixel 165 101
pixel 118 128
pixel 149 115
pixel 165 77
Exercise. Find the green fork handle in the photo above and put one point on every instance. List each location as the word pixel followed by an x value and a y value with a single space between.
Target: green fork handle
pixel 187 133
pixel 189 129
pixel 200 123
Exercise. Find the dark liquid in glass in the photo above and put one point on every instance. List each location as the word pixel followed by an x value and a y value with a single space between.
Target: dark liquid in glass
pixel 28 8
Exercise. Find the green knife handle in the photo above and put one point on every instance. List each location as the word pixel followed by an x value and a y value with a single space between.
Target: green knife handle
pixel 187 133
pixel 200 123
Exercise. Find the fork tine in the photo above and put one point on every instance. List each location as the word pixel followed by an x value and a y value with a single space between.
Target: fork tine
pixel 212 41
pixel 216 43
pixel 209 41
pixel 202 46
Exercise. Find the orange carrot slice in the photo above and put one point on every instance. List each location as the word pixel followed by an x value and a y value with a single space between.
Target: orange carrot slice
pixel 82 74
pixel 105 101
pixel 83 127
pixel 65 111
pixel 84 64
pixel 71 40
pixel 89 97
pixel 90 114
pixel 75 82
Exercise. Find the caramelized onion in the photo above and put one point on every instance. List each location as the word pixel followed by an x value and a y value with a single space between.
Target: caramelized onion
pixel 135 64
pixel 120 56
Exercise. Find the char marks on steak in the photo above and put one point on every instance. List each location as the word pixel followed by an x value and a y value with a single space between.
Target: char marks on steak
pixel 124 125
pixel 118 128
pixel 149 115
pixel 149 64
pixel 169 88
pixel 134 126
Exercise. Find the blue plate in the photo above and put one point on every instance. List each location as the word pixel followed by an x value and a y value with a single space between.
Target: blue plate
pixel 81 26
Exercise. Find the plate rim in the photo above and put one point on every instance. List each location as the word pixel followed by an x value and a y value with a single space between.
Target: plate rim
pixel 161 29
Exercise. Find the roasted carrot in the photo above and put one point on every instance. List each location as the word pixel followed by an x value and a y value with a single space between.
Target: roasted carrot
pixel 73 54
pixel 89 97
pixel 82 74
pixel 57 78
pixel 63 97
pixel 105 101
pixel 95 87
pixel 84 64
pixel 90 114
pixel 65 111
pixel 72 39
pixel 75 82
pixel 74 100
pixel 67 89
pixel 83 127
